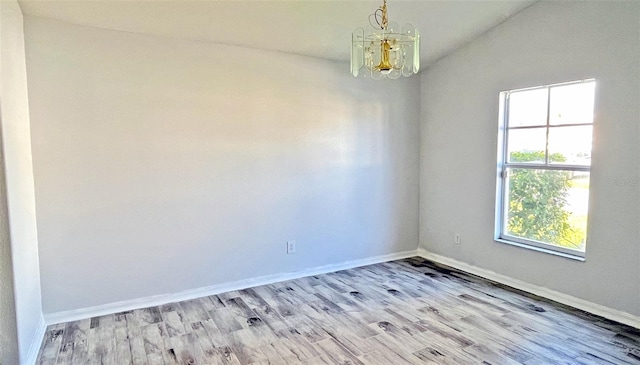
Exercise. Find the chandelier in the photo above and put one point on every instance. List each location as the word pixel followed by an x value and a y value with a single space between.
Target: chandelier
pixel 387 51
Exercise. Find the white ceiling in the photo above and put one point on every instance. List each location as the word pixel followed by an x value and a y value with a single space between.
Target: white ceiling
pixel 318 28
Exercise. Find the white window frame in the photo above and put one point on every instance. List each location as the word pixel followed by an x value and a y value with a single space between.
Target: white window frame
pixel 502 188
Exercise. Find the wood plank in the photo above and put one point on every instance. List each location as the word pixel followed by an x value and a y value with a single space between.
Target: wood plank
pixel 148 315
pixel 204 341
pixel 337 353
pixel 183 349
pixel 123 347
pixel 153 338
pixel 51 344
pixel 225 320
pixel 77 337
pixel 136 342
pixel 174 324
pixel 193 311
pixel 101 341
pixel 437 354
pixel 297 344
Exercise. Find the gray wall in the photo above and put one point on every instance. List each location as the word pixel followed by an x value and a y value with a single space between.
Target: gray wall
pixel 19 197
pixel 8 330
pixel 547 43
pixel 163 165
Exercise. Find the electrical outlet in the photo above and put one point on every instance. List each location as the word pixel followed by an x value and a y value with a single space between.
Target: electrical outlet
pixel 457 239
pixel 291 247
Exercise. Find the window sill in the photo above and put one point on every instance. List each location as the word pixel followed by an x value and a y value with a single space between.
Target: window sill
pixel 540 249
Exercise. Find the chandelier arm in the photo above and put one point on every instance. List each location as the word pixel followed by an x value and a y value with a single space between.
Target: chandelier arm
pixel 375 16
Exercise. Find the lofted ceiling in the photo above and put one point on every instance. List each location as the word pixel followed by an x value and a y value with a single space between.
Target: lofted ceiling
pixel 319 28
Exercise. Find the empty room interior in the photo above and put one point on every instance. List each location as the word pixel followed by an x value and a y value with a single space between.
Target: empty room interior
pixel 320 182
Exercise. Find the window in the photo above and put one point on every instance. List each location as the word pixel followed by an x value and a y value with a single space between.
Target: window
pixel 544 162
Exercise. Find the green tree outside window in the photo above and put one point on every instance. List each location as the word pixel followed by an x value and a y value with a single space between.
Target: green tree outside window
pixel 537 200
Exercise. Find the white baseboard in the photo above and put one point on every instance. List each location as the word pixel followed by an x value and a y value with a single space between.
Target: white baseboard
pixel 100 310
pixel 73 315
pixel 597 309
pixel 36 342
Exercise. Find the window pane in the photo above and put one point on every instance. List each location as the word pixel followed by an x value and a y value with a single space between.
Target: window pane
pixel 572 104
pixel 528 108
pixel 526 145
pixel 570 145
pixel 548 206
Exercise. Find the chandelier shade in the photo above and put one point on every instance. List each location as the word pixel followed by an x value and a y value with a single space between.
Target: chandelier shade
pixel 387 50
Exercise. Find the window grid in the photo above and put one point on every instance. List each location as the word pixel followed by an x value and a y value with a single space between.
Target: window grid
pixel 506 165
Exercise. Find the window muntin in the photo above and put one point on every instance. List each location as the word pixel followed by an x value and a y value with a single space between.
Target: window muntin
pixel 544 166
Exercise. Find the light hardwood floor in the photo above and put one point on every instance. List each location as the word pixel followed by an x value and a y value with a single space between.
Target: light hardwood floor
pixel 403 312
